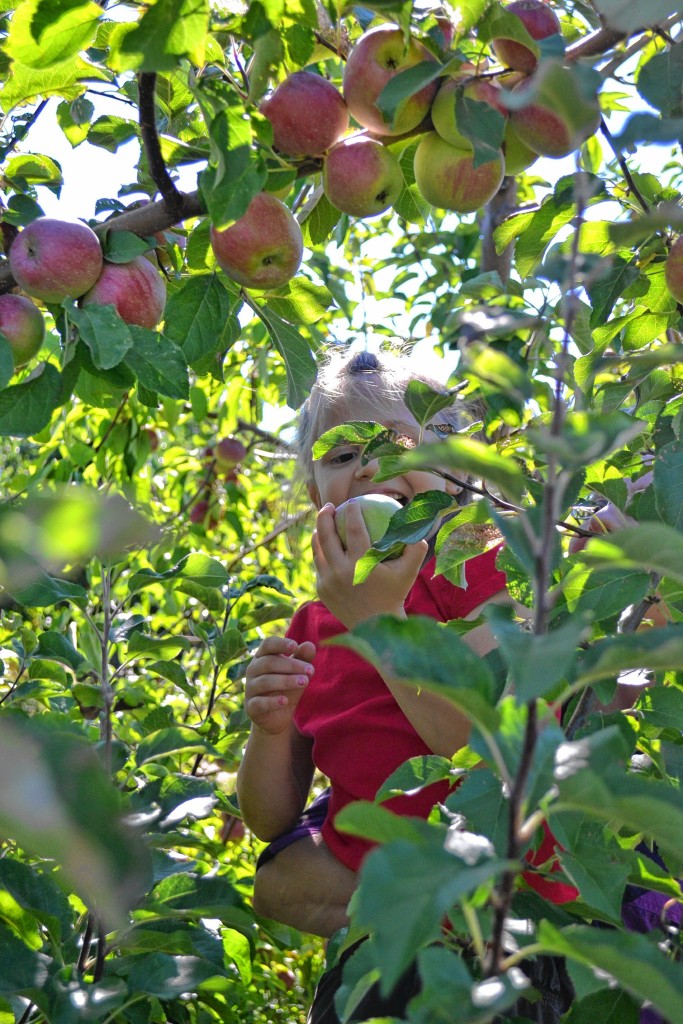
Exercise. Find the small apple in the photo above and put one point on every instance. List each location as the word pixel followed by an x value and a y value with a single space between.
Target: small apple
pixel 362 177
pixel 202 514
pixel 228 453
pixel 135 289
pixel 152 438
pixel 447 178
pixel 555 120
pixel 56 259
pixel 22 324
pixel 262 249
pixel 307 113
pixel 376 58
pixel 376 509
pixel 539 20
pixel 443 109
pixel 673 269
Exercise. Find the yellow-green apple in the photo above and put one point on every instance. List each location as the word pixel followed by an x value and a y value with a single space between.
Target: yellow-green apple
pixel 307 113
pixel 377 57
pixel 56 259
pixel 262 249
pixel 135 289
pixel 539 20
pixel 483 90
pixel 518 156
pixel 362 177
pixel 447 178
pixel 673 269
pixel 376 509
pixel 22 324
pixel 556 118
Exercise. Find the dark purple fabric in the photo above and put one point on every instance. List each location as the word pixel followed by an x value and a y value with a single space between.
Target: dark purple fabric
pixel 309 824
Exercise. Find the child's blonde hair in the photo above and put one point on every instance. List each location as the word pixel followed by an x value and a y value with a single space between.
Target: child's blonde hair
pixel 376 382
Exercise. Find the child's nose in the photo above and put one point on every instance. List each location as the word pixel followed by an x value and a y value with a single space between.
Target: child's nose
pixel 368 470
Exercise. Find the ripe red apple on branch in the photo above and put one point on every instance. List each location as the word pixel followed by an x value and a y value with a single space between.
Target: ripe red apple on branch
pixel 262 249
pixel 307 113
pixel 136 290
pixel 377 57
pixel 540 21
pixel 550 114
pixel 483 90
pixel 55 260
pixel 22 324
pixel 673 269
pixel 227 453
pixel 362 177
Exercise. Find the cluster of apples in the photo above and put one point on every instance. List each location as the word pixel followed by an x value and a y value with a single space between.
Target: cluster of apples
pixel 361 173
pixel 223 460
pixel 53 260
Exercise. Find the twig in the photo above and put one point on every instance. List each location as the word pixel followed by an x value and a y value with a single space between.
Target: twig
pixel 22 131
pixel 624 166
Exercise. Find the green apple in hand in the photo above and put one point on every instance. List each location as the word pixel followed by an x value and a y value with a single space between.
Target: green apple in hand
pixel 376 509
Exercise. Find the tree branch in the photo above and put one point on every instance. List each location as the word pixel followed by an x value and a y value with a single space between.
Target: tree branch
pixel 150 140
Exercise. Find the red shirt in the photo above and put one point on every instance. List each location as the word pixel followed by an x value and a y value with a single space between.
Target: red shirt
pixel 360 734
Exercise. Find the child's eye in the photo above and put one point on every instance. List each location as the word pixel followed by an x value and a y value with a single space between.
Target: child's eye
pixel 338 458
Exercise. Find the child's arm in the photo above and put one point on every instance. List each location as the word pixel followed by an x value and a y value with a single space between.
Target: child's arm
pixel 439 723
pixel 276 770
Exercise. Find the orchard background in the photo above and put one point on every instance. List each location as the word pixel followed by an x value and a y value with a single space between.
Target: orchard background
pixel 140 564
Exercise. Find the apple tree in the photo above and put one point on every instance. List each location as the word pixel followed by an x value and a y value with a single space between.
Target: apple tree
pixel 499 181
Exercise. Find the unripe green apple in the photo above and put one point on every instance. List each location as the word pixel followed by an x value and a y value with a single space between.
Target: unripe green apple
pixel 448 179
pixel 539 20
pixel 518 156
pixel 443 109
pixel 307 113
pixel 377 57
pixel 362 177
pixel 673 269
pixel 376 509
pixel 262 249
pixel 22 324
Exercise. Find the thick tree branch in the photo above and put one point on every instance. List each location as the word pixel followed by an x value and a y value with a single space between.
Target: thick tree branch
pixel 150 140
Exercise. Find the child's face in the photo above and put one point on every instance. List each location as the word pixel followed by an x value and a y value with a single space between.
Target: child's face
pixel 340 474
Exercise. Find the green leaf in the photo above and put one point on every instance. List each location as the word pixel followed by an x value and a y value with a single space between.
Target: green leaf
pixel 654 547
pixel 424 402
pixel 368 820
pixel 46 591
pixel 609 287
pixel 422 652
pixel 37 892
pixel 416 520
pixel 629 15
pixel 483 125
pixel 74 119
pixel 536 235
pixel 303 302
pixel 635 961
pixel 609 1005
pixel 536 663
pixel 158 363
pixel 415 774
pixel 164 976
pixel 167 742
pixel 57 802
pixel 26 409
pixel 659 649
pixel 668 483
pixel 402 86
pixel 660 81
pixel 296 353
pixel 123 246
pixel 22 970
pixel 587 436
pixel 319 221
pixel 34 169
pixel 199 317
pixel 603 594
pixel 167 31
pixel 229 646
pixel 107 336
pixel 6 362
pixel 354 432
pixel 46 32
pixel 460 539
pixel 66 79
pixel 52 644
pixel 464 455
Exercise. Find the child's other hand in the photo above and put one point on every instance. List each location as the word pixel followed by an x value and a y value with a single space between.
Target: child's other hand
pixel 385 589
pixel 276 678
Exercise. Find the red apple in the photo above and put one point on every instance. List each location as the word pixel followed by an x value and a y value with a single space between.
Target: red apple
pixel 443 109
pixel 362 177
pixel 136 290
pixel 262 249
pixel 376 58
pixel 228 453
pixel 673 269
pixel 55 259
pixel 539 20
pixel 201 513
pixel 554 122
pixel 447 178
pixel 307 113
pixel 22 324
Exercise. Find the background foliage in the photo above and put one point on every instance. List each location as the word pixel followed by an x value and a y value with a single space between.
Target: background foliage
pixel 126 625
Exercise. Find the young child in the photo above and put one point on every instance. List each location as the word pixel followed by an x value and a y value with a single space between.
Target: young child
pixel 314 706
